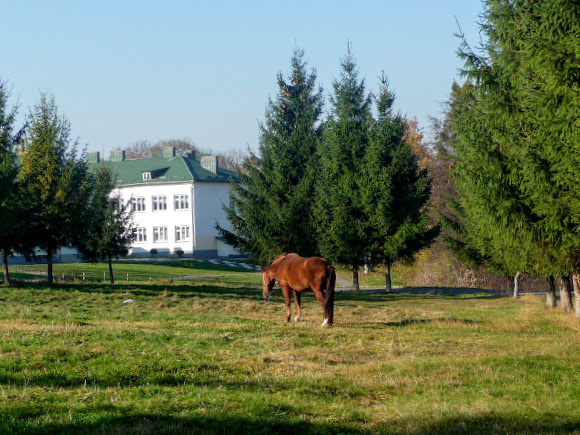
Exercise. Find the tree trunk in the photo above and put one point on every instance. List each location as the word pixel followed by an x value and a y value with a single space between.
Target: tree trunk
pixel 5 266
pixel 576 281
pixel 111 270
pixel 517 285
pixel 388 284
pixel 551 293
pixel 355 284
pixel 565 294
pixel 49 264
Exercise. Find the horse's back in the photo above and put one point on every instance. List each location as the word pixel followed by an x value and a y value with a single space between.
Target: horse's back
pixel 303 273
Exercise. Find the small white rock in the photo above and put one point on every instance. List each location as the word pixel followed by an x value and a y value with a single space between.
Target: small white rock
pixel 128 301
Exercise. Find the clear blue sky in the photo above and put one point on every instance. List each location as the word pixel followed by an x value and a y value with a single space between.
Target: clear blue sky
pixel 130 70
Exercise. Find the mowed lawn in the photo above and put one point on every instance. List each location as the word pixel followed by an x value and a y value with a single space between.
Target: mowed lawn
pixel 211 357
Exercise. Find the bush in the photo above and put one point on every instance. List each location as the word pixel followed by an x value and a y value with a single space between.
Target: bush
pixel 153 252
pixel 179 252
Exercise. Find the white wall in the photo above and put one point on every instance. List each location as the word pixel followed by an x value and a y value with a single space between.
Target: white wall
pixel 168 218
pixel 206 202
pixel 209 201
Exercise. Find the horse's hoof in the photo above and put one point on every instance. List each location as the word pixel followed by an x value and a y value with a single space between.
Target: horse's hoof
pixel 325 323
pixel 297 319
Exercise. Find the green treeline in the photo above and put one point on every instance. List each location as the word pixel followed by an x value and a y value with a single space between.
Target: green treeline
pixel 512 139
pixel 48 197
pixel 348 187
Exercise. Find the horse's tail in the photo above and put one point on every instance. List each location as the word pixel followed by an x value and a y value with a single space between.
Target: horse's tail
pixel 329 294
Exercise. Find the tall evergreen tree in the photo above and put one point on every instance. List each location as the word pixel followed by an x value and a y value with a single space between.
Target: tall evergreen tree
pixel 55 181
pixel 394 190
pixel 11 207
pixel 341 215
pixel 109 231
pixel 525 97
pixel 272 202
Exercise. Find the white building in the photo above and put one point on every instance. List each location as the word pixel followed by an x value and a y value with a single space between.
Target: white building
pixel 176 202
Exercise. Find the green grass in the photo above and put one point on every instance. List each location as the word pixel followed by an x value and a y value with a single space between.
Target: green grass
pixel 210 356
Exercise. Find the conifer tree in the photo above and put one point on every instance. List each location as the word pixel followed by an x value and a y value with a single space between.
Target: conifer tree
pixel 272 202
pixel 109 229
pixel 11 206
pixel 526 98
pixel 342 220
pixel 55 182
pixel 395 191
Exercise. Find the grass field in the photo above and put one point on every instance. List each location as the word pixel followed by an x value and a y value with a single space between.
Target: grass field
pixel 211 357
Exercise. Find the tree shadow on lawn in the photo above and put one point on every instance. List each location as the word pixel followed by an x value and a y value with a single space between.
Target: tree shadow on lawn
pixel 274 420
pixel 185 264
pixel 127 421
pixel 156 289
pixel 404 323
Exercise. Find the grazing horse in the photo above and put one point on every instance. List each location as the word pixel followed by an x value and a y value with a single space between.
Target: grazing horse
pixel 298 274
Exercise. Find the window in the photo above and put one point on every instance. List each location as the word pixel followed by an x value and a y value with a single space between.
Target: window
pixel 159 234
pixel 181 202
pixel 146 176
pixel 140 235
pixel 138 204
pixel 181 233
pixel 159 203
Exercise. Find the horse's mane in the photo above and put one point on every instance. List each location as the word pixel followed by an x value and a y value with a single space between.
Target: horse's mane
pixel 279 257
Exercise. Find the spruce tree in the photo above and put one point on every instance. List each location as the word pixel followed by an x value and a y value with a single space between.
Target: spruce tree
pixel 109 229
pixel 272 202
pixel 341 215
pixel 525 99
pixel 394 190
pixel 55 182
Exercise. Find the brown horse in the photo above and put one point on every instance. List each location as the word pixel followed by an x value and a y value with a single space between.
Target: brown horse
pixel 298 274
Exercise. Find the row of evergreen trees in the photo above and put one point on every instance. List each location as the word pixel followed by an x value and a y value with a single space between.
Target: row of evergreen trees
pixel 48 197
pixel 514 146
pixel 347 187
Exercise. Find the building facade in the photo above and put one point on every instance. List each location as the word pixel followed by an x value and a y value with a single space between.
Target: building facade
pixel 176 202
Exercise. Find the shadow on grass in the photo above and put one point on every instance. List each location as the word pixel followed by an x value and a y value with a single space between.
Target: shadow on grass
pixel 287 421
pixel 156 289
pixel 406 322
pixel 130 422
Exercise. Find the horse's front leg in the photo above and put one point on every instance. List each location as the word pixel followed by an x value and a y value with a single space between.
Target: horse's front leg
pixel 297 301
pixel 286 291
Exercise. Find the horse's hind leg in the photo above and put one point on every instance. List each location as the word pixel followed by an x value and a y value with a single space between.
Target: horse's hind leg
pixel 297 301
pixel 320 297
pixel 286 291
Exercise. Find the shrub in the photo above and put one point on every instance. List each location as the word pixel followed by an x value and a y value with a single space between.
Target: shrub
pixel 179 252
pixel 153 252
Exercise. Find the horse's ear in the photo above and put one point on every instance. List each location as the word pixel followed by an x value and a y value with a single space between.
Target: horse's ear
pixel 263 268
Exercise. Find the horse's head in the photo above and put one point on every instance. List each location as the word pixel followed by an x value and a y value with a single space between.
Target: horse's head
pixel 268 282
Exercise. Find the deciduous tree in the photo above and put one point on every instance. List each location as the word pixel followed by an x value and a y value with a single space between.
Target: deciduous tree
pixel 109 229
pixel 11 205
pixel 54 179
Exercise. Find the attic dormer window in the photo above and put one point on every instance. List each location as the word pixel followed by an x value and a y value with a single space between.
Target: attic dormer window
pixel 146 176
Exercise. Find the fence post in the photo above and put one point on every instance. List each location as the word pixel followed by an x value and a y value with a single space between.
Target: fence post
pixel 84 276
pixel 127 277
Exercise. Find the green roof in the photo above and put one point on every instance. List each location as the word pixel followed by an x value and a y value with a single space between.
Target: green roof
pixel 174 169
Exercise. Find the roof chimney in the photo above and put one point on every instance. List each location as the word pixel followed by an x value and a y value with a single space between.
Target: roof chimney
pixel 94 157
pixel 190 155
pixel 117 156
pixel 210 163
pixel 168 152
